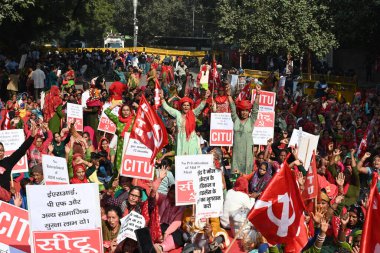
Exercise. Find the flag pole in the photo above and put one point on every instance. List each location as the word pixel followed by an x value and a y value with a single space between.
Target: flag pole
pixel 236 235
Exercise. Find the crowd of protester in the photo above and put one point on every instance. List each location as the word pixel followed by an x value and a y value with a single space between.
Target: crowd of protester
pixel 344 164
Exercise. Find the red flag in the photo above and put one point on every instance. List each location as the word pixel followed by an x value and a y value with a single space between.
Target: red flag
pixel 149 128
pixel 371 233
pixel 363 144
pixel 244 93
pixel 311 183
pixel 278 213
pixel 300 240
pixel 157 98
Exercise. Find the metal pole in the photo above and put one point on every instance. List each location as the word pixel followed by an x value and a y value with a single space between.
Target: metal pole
pixel 135 27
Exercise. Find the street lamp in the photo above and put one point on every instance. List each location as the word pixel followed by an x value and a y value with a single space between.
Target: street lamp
pixel 135 27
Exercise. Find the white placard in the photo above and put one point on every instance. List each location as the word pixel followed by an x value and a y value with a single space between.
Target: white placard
pixel 264 128
pixel 186 168
pixel 221 129
pixel 306 144
pixel 12 140
pixel 209 197
pixel 55 170
pixel 105 124
pixel 63 207
pixel 75 115
pixel 129 224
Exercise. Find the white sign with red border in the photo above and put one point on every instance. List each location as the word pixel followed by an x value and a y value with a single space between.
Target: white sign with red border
pixel 221 129
pixel 65 218
pixel 136 161
pixel 14 227
pixel 264 128
pixel 186 168
pixel 75 115
pixel 12 140
pixel 55 170
pixel 267 100
pixel 105 124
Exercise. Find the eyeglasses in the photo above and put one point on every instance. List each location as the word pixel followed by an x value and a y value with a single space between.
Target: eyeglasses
pixel 133 195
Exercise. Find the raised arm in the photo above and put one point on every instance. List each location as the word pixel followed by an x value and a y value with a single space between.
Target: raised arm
pixel 110 115
pixel 255 109
pixel 362 169
pixel 234 115
pixel 173 112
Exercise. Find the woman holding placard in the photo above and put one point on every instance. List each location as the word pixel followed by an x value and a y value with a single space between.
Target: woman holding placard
pixel 242 157
pixel 124 123
pixel 187 140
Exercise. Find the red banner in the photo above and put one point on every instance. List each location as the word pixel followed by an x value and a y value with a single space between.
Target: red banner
pixel 14 227
pixel 68 241
pixel 185 192
pixel 311 184
pixel 137 167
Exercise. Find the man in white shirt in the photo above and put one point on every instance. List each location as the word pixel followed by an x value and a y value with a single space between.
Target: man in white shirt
pixel 181 72
pixel 38 77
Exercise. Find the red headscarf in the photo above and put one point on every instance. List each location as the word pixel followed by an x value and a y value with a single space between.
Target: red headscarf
pixel 244 105
pixel 52 101
pixel 190 117
pixel 75 179
pixel 241 185
pixel 127 121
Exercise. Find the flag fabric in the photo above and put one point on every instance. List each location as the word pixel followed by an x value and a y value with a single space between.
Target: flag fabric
pixel 278 213
pixel 363 144
pixel 371 233
pixel 300 240
pixel 157 98
pixel 311 184
pixel 149 129
pixel 243 95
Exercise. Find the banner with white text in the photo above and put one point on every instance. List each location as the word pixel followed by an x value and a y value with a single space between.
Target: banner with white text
pixel 221 129
pixel 55 170
pixel 75 115
pixel 264 128
pixel 12 140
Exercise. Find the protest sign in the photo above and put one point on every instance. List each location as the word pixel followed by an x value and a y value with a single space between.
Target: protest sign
pixel 129 224
pixel 267 100
pixel 55 170
pixel 264 128
pixel 136 161
pixel 12 140
pixel 75 115
pixel 14 227
pixel 209 185
pixel 105 124
pixel 185 171
pixel 221 129
pixel 305 143
pixel 65 218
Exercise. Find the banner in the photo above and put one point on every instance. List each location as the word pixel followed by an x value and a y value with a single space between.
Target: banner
pixel 186 168
pixel 129 224
pixel 65 218
pixel 55 170
pixel 264 128
pixel 12 140
pixel 136 161
pixel 105 124
pixel 267 100
pixel 14 227
pixel 209 185
pixel 75 115
pixel 305 143
pixel 221 129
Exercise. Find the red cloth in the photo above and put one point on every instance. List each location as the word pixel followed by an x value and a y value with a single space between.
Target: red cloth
pixel 75 179
pixel 52 101
pixel 278 214
pixel 127 121
pixel 244 105
pixel 241 185
pixel 149 128
pixel 190 117
pixel 116 90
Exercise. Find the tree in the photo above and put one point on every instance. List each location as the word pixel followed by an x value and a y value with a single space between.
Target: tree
pixel 277 26
pixel 9 9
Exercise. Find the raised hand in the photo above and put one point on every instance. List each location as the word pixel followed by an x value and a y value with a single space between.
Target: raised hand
pixel 17 199
pixel 366 155
pixel 340 179
pixel 339 199
pixel 258 88
pixel 162 172
pixel 324 225
pixel 300 179
pixel 344 219
pixel 319 214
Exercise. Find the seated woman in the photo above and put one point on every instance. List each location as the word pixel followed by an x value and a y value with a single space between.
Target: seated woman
pixel 236 199
pixel 260 179
pixel 111 226
pixel 79 175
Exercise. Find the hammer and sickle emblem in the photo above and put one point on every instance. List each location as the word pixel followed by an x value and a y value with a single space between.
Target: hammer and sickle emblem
pixel 285 221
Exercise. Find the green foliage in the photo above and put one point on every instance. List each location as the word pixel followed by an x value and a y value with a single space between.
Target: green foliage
pixel 9 9
pixel 276 26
